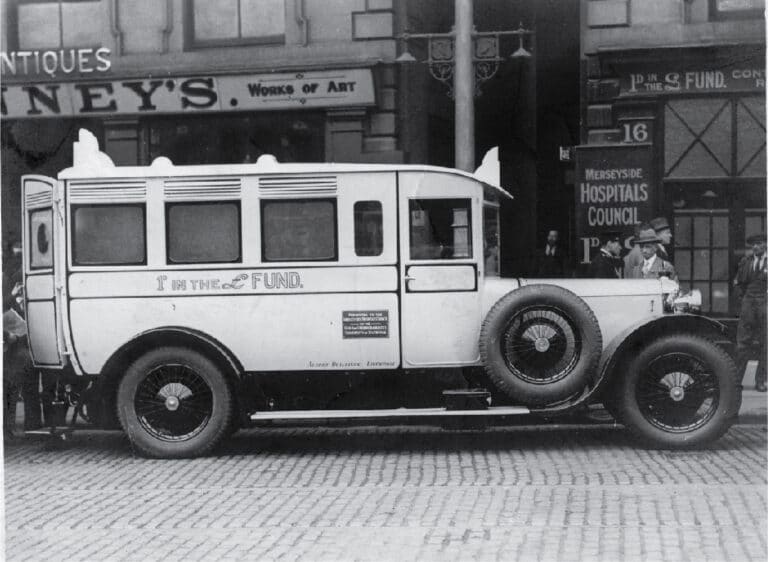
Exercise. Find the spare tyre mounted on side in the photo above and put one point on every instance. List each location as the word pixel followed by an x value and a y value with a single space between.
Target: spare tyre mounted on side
pixel 540 344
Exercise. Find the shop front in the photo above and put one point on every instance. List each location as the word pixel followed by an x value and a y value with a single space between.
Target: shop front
pixel 302 116
pixel 689 145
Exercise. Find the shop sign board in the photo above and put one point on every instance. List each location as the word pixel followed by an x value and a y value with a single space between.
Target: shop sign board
pixel 615 189
pixel 672 80
pixel 255 92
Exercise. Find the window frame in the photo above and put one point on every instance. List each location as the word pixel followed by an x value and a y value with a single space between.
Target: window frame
pixel 469 226
pixel 33 238
pixel 263 203
pixel 73 229
pixel 12 26
pixel 381 227
pixel 715 14
pixel 191 42
pixel 170 204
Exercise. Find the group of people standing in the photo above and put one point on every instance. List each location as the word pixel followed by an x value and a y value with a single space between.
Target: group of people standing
pixel 648 258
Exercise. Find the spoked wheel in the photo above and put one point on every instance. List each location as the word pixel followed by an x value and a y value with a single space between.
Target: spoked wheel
pixel 174 402
pixel 680 391
pixel 540 344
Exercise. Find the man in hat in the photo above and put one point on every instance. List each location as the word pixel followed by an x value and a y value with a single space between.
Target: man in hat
pixel 635 256
pixel 607 263
pixel 750 286
pixel 664 233
pixel 652 266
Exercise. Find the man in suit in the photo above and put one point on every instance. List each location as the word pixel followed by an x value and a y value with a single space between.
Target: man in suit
pixel 550 261
pixel 607 263
pixel 652 266
pixel 664 232
pixel 751 288
pixel 635 256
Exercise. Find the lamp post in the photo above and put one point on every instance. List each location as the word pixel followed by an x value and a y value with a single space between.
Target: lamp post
pixel 464 58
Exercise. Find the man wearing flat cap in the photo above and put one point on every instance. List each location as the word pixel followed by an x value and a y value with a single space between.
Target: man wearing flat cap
pixel 607 263
pixel 652 266
pixel 664 233
pixel 750 287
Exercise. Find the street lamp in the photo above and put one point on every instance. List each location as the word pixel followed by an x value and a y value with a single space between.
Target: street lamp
pixel 463 59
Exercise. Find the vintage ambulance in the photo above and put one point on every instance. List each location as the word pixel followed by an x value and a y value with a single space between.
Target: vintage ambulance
pixel 189 301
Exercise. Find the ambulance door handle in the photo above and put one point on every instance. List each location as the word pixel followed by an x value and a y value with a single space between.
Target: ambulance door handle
pixel 409 278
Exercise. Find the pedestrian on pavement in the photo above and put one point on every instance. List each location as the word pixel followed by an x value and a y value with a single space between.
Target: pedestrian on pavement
pixel 550 260
pixel 664 232
pixel 635 256
pixel 750 284
pixel 652 266
pixel 18 371
pixel 607 263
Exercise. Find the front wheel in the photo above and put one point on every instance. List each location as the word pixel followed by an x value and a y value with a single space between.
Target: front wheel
pixel 680 391
pixel 174 403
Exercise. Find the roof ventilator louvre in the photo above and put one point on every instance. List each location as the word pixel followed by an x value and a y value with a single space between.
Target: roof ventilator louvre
pixel 37 199
pixel 293 184
pixel 202 188
pixel 110 190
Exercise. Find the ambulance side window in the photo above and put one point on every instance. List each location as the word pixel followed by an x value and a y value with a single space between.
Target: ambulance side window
pixel 109 235
pixel 440 229
pixel 41 239
pixel 369 229
pixel 203 232
pixel 299 230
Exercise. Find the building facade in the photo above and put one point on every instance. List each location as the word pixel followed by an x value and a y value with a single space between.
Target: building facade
pixel 198 81
pixel 673 125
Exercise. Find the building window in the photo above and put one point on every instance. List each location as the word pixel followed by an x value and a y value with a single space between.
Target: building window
pixel 440 229
pixel 109 235
pixel 299 230
pixel 231 22
pixel 700 139
pixel 369 233
pixel 41 239
pixel 53 24
pixel 702 256
pixel 203 232
pixel 736 9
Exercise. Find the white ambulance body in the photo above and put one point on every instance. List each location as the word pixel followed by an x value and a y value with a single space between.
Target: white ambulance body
pixel 174 288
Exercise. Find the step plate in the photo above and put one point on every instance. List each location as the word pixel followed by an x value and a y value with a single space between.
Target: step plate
pixel 391 413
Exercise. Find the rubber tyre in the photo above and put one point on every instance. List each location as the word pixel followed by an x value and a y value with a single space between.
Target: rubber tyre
pixel 540 301
pixel 723 376
pixel 206 435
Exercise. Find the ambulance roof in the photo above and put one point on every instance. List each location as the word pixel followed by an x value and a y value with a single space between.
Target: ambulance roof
pixel 90 162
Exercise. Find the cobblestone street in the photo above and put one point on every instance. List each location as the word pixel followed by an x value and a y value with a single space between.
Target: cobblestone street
pixel 391 494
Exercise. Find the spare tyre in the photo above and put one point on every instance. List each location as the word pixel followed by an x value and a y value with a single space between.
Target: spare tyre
pixel 540 344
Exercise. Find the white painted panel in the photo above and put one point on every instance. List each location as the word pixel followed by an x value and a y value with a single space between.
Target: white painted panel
pixel 234 282
pixel 39 287
pixel 275 333
pixel 603 13
pixel 41 321
pixel 446 278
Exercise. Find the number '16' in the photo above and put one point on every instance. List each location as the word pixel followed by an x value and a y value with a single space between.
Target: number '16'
pixel 635 132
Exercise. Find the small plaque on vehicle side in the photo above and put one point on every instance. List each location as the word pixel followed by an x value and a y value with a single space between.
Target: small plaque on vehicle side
pixel 365 323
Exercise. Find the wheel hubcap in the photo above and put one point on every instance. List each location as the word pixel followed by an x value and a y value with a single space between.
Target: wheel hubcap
pixel 677 393
pixel 541 345
pixel 172 403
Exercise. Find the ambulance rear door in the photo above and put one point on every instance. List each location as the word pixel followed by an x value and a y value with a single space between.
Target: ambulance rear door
pixel 42 240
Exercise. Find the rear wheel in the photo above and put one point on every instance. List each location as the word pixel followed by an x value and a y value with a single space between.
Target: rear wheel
pixel 173 403
pixel 680 391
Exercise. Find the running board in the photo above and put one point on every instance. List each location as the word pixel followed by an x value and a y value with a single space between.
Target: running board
pixel 391 413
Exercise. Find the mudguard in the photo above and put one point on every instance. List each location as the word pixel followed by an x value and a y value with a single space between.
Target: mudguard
pixel 631 338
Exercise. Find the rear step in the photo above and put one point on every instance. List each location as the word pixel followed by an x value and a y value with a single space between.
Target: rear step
pixel 388 413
